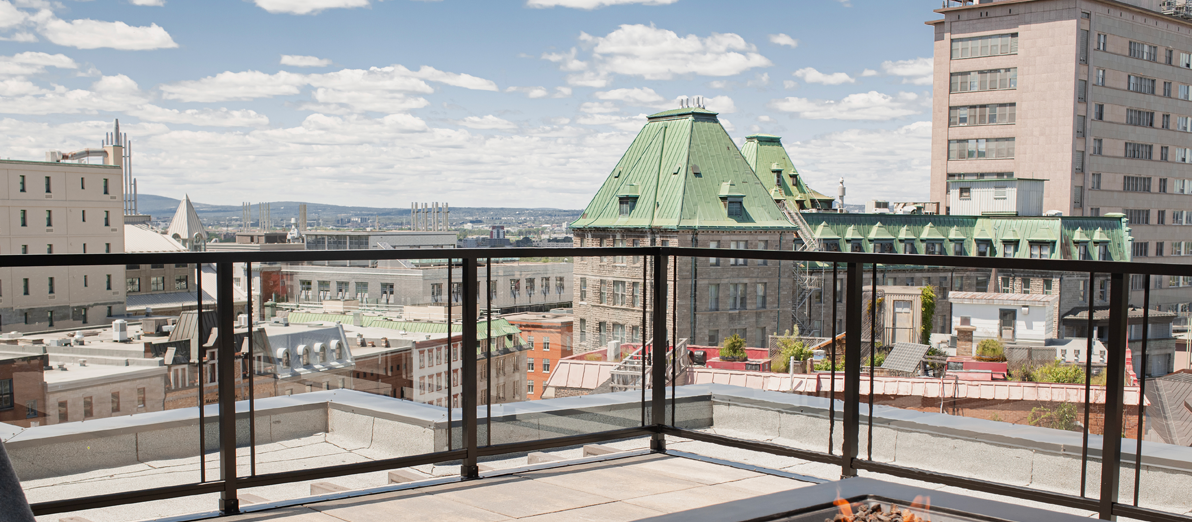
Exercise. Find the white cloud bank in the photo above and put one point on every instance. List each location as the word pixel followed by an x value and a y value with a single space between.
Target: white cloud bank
pixel 916 71
pixel 875 164
pixel 867 106
pixel 810 75
pixel 95 34
pixel 294 60
pixel 303 7
pixel 784 40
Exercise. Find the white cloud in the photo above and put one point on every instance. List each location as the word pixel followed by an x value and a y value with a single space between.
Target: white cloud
pixel 869 72
pixel 394 79
pixel 916 71
pixel 642 96
pixel 355 101
pixel 783 39
pixel 205 117
pixel 302 7
pixel 530 92
pixel 22 36
pixel 810 75
pixel 95 34
pixel 599 108
pixel 148 2
pixel 294 60
pixel 10 16
pixel 659 54
pixel 875 164
pixel 760 80
pixel 567 61
pixel 624 123
pixel 228 85
pixel 110 93
pixel 869 106
pixel 789 84
pixel 728 125
pixel 27 63
pixel 592 4
pixel 765 119
pixel 488 122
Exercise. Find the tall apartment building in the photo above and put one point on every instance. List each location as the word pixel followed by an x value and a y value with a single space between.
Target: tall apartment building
pixel 53 207
pixel 1093 96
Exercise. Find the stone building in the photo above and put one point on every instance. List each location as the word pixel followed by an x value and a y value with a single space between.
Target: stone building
pixel 1091 96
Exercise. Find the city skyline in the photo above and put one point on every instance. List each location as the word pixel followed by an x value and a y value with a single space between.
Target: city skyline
pixel 531 102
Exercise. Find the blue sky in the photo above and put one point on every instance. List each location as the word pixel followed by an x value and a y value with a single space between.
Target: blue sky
pixel 513 103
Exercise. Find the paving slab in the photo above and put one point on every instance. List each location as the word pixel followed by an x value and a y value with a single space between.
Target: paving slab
pixel 423 507
pixel 620 479
pixel 524 497
pixel 610 512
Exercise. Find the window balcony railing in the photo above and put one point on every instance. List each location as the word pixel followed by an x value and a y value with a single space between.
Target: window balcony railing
pixel 854 413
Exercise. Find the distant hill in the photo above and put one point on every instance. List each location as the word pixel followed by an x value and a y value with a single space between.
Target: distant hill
pixel 163 208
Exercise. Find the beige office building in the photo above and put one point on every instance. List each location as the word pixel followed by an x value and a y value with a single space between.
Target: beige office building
pixel 1093 96
pixel 56 207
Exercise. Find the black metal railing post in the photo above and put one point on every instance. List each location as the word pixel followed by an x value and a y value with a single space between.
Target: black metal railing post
pixel 658 370
pixel 853 289
pixel 225 371
pixel 1115 372
pixel 469 469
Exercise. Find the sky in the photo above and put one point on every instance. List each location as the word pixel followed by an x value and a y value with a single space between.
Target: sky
pixel 496 103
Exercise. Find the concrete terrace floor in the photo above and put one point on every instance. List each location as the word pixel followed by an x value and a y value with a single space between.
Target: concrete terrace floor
pixel 628 488
pixel 624 489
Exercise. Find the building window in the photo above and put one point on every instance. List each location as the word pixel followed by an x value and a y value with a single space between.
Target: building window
pixel 1009 249
pixel 1166 121
pixel 181 282
pixel 1026 285
pixel 1139 150
pixel 1101 41
pixel 50 285
pixel 602 333
pixel 107 218
pixel 992 114
pixel 140 397
pixel 22 182
pixel 1143 51
pixel 546 362
pixel 88 409
pixel 1138 216
pixel 6 396
pixel 1097 146
pixel 988 80
pixel 627 204
pixel 583 330
pixel 530 365
pixel 714 297
pixel 1098 111
pixel 49 218
pixel 133 285
pixel 63 409
pixel 958 248
pixel 157 284
pixel 1136 184
pixel 736 296
pixel 992 45
pixel 1096 181
pixel 1141 84
pixel 546 344
pixel 25 287
pixel 636 293
pixel 738 245
pixel 1140 118
pixel 115 402
pixel 1040 250
pixel 618 293
pixel 1163 185
pixel 47 184
pixel 1099 78
pixel 713 261
pixel 736 208
pixel 1162 153
pixel 761 295
pixel 105 186
pixel 994 148
pixel 1141 249
pixel 529 388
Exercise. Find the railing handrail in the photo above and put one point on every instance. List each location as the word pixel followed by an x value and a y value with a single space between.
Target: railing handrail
pixel 1014 263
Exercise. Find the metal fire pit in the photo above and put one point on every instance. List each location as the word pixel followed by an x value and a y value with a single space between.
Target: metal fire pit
pixel 822 513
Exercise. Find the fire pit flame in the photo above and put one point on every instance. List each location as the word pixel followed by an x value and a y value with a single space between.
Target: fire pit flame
pixel 917 512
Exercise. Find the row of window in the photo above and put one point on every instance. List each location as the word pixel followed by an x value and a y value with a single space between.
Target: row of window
pixel 613 293
pixel 49 185
pixel 738 296
pixel 992 45
pixel 738 245
pixel 530 365
pixel 50 284
pixel 88 406
pixel 545 343
pixel 986 80
pixel 983 248
pixel 436 289
pixel 605 333
pixel 24 218
pixel 156 284
pixel 436 356
pixel 991 114
pixel 107 248
pixel 993 148
pixel 1143 183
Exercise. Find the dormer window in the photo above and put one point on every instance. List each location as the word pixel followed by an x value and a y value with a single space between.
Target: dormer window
pixel 627 204
pixel 736 208
pixel 883 247
pixel 857 246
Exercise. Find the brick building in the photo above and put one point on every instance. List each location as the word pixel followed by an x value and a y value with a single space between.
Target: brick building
pixel 22 392
pixel 548 338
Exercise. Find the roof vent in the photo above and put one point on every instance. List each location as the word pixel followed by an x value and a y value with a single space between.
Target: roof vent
pixel 678 167
pixel 695 170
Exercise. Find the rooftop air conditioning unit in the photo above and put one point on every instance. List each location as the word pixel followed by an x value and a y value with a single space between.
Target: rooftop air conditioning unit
pixel 120 331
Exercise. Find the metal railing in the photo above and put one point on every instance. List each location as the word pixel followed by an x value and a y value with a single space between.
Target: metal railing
pixel 853 266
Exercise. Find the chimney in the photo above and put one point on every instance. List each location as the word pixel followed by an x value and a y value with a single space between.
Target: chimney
pixel 115 149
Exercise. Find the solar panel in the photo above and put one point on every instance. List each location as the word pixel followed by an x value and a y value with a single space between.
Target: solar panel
pixel 905 357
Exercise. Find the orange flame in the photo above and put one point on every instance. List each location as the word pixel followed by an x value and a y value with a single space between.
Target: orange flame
pixel 920 503
pixel 845 509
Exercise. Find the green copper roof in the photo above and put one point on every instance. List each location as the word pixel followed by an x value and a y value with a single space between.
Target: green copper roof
pixel 765 153
pixel 681 164
pixel 1063 234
